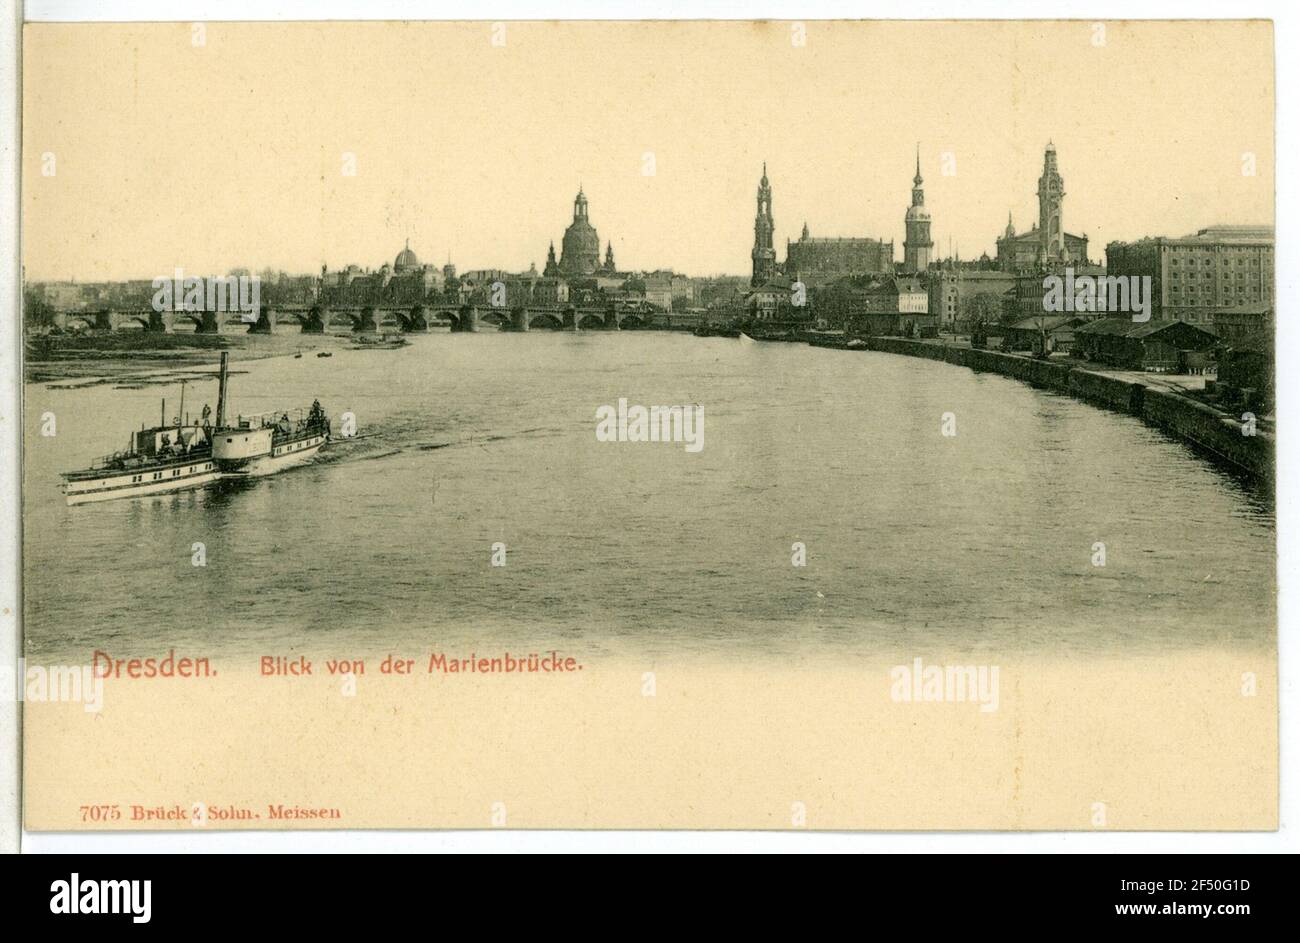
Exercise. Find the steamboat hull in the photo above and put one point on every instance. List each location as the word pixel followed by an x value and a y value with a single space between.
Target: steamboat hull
pixel 280 457
pixel 106 485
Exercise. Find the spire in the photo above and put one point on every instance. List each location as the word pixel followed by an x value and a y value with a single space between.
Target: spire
pixel 763 256
pixel 917 179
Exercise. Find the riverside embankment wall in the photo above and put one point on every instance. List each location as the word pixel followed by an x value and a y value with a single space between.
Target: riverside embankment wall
pixel 1179 416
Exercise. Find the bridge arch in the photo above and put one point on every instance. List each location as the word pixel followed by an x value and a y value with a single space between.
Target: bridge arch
pixel 546 321
pixel 91 320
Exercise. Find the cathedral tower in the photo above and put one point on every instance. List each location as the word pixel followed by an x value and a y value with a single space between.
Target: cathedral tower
pixel 1051 195
pixel 917 243
pixel 764 255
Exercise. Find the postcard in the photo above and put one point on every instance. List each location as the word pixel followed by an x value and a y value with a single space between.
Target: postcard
pixel 826 425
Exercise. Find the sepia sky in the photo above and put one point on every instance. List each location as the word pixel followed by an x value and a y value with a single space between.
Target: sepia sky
pixel 231 153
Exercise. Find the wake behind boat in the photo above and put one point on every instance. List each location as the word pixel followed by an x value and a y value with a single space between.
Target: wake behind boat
pixel 180 455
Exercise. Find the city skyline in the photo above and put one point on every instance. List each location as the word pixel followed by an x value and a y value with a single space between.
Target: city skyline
pixel 494 192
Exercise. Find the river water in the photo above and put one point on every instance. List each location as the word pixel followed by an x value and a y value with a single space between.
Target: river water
pixel 983 541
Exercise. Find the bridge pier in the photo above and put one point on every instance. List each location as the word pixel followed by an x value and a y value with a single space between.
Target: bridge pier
pixel 468 319
pixel 570 319
pixel 160 322
pixel 611 319
pixel 209 323
pixel 315 321
pixel 365 323
pixel 265 323
pixel 519 320
pixel 417 320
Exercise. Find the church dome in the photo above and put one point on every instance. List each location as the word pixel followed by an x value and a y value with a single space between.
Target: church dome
pixel 406 260
pixel 580 250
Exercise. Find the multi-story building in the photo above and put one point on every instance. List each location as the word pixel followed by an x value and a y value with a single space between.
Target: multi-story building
pixel 1027 296
pixel 773 300
pixel 816 261
pixel 659 289
pixel 880 304
pixel 1201 277
pixel 951 289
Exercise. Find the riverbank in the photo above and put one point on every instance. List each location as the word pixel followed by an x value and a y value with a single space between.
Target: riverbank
pixel 1224 438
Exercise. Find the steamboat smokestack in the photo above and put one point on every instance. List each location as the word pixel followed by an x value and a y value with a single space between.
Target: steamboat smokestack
pixel 221 391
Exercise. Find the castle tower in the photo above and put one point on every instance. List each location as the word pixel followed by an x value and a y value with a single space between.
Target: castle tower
pixel 609 257
pixel 552 267
pixel 917 243
pixel 764 256
pixel 1051 196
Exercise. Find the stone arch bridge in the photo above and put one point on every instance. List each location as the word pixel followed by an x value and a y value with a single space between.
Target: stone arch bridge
pixel 318 319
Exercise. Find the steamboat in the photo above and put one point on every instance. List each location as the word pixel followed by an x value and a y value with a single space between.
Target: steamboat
pixel 180 455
